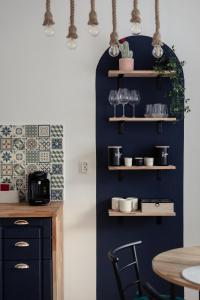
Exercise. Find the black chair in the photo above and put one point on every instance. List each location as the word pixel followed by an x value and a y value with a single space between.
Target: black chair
pixel 118 258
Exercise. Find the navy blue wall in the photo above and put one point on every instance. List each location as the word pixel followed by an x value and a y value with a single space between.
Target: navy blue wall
pixel 138 139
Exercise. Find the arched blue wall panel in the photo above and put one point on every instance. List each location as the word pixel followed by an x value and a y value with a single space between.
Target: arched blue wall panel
pixel 138 139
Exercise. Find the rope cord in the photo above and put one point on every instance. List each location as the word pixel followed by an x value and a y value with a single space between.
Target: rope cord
pixel 72 28
pixel 157 36
pixel 72 12
pixel 114 35
pixel 48 17
pixel 135 16
pixel 92 5
pixel 93 15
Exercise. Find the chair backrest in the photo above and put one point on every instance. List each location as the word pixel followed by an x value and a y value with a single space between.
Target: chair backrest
pixel 116 257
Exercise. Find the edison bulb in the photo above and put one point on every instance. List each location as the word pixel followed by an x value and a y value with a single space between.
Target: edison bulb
pixel 157 51
pixel 136 28
pixel 114 50
pixel 93 30
pixel 49 30
pixel 71 43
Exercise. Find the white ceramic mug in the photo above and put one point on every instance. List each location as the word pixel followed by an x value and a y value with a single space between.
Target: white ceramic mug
pixel 128 161
pixel 125 205
pixel 115 203
pixel 149 161
pixel 134 203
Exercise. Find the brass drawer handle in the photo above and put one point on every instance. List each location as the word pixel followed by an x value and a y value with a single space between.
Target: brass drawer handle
pixel 22 244
pixel 21 222
pixel 21 266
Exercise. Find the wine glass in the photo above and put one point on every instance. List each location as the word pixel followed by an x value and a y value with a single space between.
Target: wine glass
pixel 113 100
pixel 123 96
pixel 131 102
pixel 134 99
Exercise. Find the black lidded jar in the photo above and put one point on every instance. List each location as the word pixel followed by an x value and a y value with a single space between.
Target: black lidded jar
pixel 114 155
pixel 161 158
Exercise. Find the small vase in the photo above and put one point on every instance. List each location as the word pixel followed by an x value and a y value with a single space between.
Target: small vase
pixel 126 64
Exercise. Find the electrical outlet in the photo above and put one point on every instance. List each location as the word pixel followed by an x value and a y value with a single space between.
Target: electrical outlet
pixel 83 167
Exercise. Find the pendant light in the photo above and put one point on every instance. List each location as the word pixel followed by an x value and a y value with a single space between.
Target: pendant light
pixel 157 42
pixel 136 28
pixel 114 43
pixel 48 20
pixel 72 35
pixel 93 22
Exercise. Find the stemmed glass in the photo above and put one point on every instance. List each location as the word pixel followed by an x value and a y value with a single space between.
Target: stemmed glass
pixel 123 96
pixel 113 100
pixel 134 99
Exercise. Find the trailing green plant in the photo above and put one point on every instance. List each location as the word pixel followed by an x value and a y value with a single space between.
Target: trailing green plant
pixel 179 104
pixel 125 51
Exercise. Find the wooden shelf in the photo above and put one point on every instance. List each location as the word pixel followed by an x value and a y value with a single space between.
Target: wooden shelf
pixel 139 73
pixel 113 213
pixel 121 119
pixel 141 168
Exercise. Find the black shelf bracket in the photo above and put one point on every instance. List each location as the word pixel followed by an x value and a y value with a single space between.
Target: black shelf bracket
pixel 121 126
pixel 119 81
pixel 160 127
pixel 158 175
pixel 120 176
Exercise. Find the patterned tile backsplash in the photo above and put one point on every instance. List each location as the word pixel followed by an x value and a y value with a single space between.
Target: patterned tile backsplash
pixel 28 148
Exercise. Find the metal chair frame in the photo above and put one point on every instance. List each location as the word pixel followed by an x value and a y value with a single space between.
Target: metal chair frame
pixel 113 257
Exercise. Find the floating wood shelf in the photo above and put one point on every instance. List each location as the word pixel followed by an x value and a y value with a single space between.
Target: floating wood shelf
pixel 121 119
pixel 141 168
pixel 113 213
pixel 139 73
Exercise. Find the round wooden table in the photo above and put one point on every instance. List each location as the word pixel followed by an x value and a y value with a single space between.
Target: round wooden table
pixel 170 264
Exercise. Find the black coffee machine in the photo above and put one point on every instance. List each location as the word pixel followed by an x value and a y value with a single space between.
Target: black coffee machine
pixel 38 188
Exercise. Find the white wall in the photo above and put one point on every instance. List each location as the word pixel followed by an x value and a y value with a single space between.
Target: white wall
pixel 42 81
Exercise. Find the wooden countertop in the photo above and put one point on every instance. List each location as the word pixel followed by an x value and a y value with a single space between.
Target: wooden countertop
pixel 52 209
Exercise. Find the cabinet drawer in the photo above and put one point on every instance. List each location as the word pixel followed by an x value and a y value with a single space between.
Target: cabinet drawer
pixel 26 280
pixel 33 228
pixel 18 249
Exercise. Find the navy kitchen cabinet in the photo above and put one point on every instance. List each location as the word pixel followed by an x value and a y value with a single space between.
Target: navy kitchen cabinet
pixel 26 260
pixel 31 253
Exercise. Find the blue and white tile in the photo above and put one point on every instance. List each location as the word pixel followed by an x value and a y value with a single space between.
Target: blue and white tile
pixel 7 179
pixel 19 170
pixel 18 143
pixel 57 194
pixel 31 130
pixel 6 170
pixel 6 157
pixel 57 182
pixel 45 167
pixel 44 157
pixel 57 169
pixel 19 182
pixel 6 131
pixel 57 156
pixel 44 143
pixel 32 157
pixel 19 157
pixel 6 143
pixel 30 168
pixel 31 144
pixel 22 195
pixel 18 131
pixel 44 130
pixel 56 143
pixel 57 130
